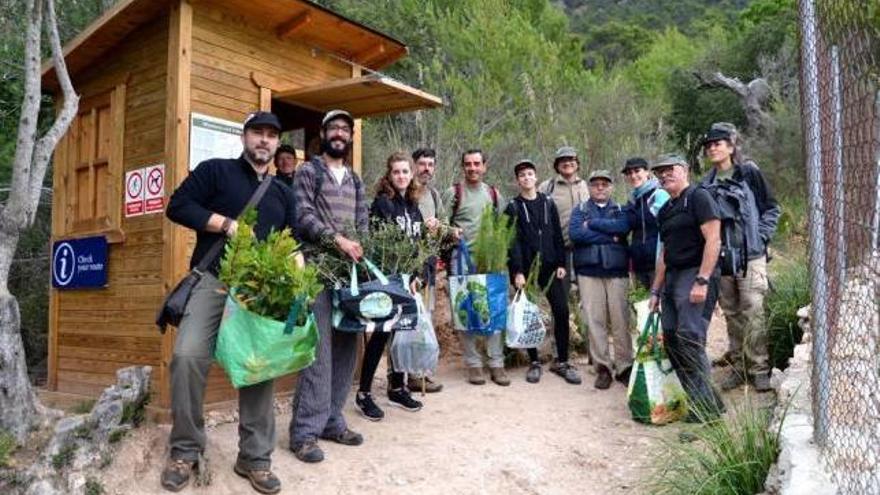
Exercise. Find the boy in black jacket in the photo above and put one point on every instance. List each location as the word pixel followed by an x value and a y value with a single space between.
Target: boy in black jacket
pixel 538 231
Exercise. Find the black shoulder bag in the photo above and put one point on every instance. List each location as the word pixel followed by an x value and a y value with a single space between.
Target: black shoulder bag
pixel 175 302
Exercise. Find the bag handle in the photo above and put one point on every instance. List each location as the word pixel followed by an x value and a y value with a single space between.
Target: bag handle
pixel 293 314
pixel 215 249
pixel 464 255
pixel 353 284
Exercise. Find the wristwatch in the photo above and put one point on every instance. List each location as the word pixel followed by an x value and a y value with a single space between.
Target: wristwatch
pixel 700 280
pixel 224 227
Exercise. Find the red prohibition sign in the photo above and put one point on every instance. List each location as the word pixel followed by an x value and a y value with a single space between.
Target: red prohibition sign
pixel 134 186
pixel 154 181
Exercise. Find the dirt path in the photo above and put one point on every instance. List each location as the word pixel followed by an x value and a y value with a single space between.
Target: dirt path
pixel 549 438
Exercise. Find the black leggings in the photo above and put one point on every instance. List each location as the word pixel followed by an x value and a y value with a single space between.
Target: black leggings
pixel 372 354
pixel 558 300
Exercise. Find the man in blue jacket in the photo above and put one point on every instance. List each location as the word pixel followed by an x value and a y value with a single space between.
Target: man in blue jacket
pixel 598 230
pixel 742 296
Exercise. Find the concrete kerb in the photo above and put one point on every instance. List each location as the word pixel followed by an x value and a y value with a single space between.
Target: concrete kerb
pixel 799 470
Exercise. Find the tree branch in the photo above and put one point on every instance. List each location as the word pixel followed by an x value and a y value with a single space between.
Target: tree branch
pixel 46 144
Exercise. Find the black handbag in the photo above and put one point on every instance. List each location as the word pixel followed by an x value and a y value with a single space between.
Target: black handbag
pixel 384 304
pixel 174 306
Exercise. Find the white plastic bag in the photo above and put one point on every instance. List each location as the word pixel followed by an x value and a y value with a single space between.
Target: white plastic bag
pixel 525 327
pixel 416 351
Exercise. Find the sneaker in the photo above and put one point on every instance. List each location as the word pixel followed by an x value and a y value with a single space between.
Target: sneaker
pixel 415 383
pixel 347 437
pixel 262 480
pixel 732 380
pixel 603 378
pixel 567 371
pixel 308 451
pixel 367 407
pixel 761 382
pixel 623 376
pixel 533 375
pixel 401 398
pixel 176 474
pixel 499 376
pixel 475 376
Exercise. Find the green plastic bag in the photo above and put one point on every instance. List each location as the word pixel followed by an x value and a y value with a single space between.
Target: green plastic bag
pixel 655 395
pixel 253 348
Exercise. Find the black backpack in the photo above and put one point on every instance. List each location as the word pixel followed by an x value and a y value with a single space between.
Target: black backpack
pixel 733 198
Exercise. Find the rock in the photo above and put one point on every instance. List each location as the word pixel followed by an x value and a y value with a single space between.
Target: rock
pixel 42 487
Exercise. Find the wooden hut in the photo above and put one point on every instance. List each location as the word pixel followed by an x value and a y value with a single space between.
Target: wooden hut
pixel 164 83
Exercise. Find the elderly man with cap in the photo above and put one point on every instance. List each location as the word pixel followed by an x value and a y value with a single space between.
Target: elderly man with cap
pixel 598 230
pixel 646 199
pixel 208 201
pixel 539 233
pixel 742 294
pixel 686 281
pixel 332 210
pixel 285 164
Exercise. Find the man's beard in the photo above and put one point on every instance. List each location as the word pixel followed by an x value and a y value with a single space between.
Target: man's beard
pixel 425 178
pixel 327 147
pixel 251 154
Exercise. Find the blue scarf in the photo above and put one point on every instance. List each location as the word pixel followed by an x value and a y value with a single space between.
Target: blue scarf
pixel 649 184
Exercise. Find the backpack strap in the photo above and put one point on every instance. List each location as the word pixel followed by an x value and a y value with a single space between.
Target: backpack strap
pixel 436 198
pixel 493 193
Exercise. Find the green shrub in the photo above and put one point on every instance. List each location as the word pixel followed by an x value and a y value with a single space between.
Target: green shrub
pixel 730 456
pixel 789 291
pixel 493 240
pixel 7 446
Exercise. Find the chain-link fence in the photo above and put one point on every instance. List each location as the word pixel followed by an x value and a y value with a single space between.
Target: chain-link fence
pixel 840 84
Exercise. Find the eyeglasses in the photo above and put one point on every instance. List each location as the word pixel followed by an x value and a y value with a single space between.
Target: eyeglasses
pixel 341 128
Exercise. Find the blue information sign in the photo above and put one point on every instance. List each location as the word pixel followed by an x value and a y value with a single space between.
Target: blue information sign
pixel 79 263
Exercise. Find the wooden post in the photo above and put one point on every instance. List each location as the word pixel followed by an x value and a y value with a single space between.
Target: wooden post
pixel 177 116
pixel 357 151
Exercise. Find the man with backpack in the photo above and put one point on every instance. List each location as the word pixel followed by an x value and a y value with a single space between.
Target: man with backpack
pixel 567 190
pixel 332 210
pixel 598 230
pixel 743 259
pixel 467 202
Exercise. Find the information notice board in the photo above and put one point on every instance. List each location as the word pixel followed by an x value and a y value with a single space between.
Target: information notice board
pixel 210 137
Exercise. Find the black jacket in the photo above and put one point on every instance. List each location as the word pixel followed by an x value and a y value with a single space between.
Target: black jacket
pixel 768 210
pixel 537 231
pixel 224 186
pixel 643 241
pixel 398 210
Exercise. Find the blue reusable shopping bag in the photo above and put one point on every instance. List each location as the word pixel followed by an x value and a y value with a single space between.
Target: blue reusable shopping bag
pixel 479 301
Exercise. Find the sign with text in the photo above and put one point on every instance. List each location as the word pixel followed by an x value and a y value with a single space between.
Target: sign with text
pixel 210 137
pixel 134 193
pixel 154 195
pixel 79 263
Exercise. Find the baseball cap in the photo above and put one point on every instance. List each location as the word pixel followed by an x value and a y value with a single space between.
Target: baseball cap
pixel 565 152
pixel 337 114
pixel 669 160
pixel 600 174
pixel 716 134
pixel 524 164
pixel 727 126
pixel 255 119
pixel 634 162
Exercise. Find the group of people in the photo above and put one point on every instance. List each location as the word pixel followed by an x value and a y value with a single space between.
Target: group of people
pixel 667 237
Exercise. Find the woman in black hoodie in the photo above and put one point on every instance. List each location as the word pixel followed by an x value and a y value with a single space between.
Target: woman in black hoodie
pixel 397 201
pixel 538 232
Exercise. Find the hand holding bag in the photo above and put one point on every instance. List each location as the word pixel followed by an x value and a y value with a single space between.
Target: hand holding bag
pixel 174 305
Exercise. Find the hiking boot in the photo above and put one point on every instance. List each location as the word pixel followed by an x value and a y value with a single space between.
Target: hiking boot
pixel 603 378
pixel 732 380
pixel 499 376
pixel 567 371
pixel 367 407
pixel 308 451
pixel 347 437
pixel 726 359
pixel 431 387
pixel 623 376
pixel 533 375
pixel 401 398
pixel 176 474
pixel 475 376
pixel 761 382
pixel 262 480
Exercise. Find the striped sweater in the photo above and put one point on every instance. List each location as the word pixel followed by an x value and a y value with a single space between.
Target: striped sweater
pixel 336 208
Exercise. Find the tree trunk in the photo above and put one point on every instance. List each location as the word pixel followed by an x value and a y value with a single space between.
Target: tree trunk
pixel 17 400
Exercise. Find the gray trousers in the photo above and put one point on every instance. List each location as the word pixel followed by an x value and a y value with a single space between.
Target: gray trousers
pixel 193 355
pixel 323 387
pixel 685 326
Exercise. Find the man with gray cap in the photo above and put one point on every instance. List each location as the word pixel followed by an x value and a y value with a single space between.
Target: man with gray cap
pixel 333 211
pixel 208 201
pixel 686 281
pixel 598 230
pixel 742 293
